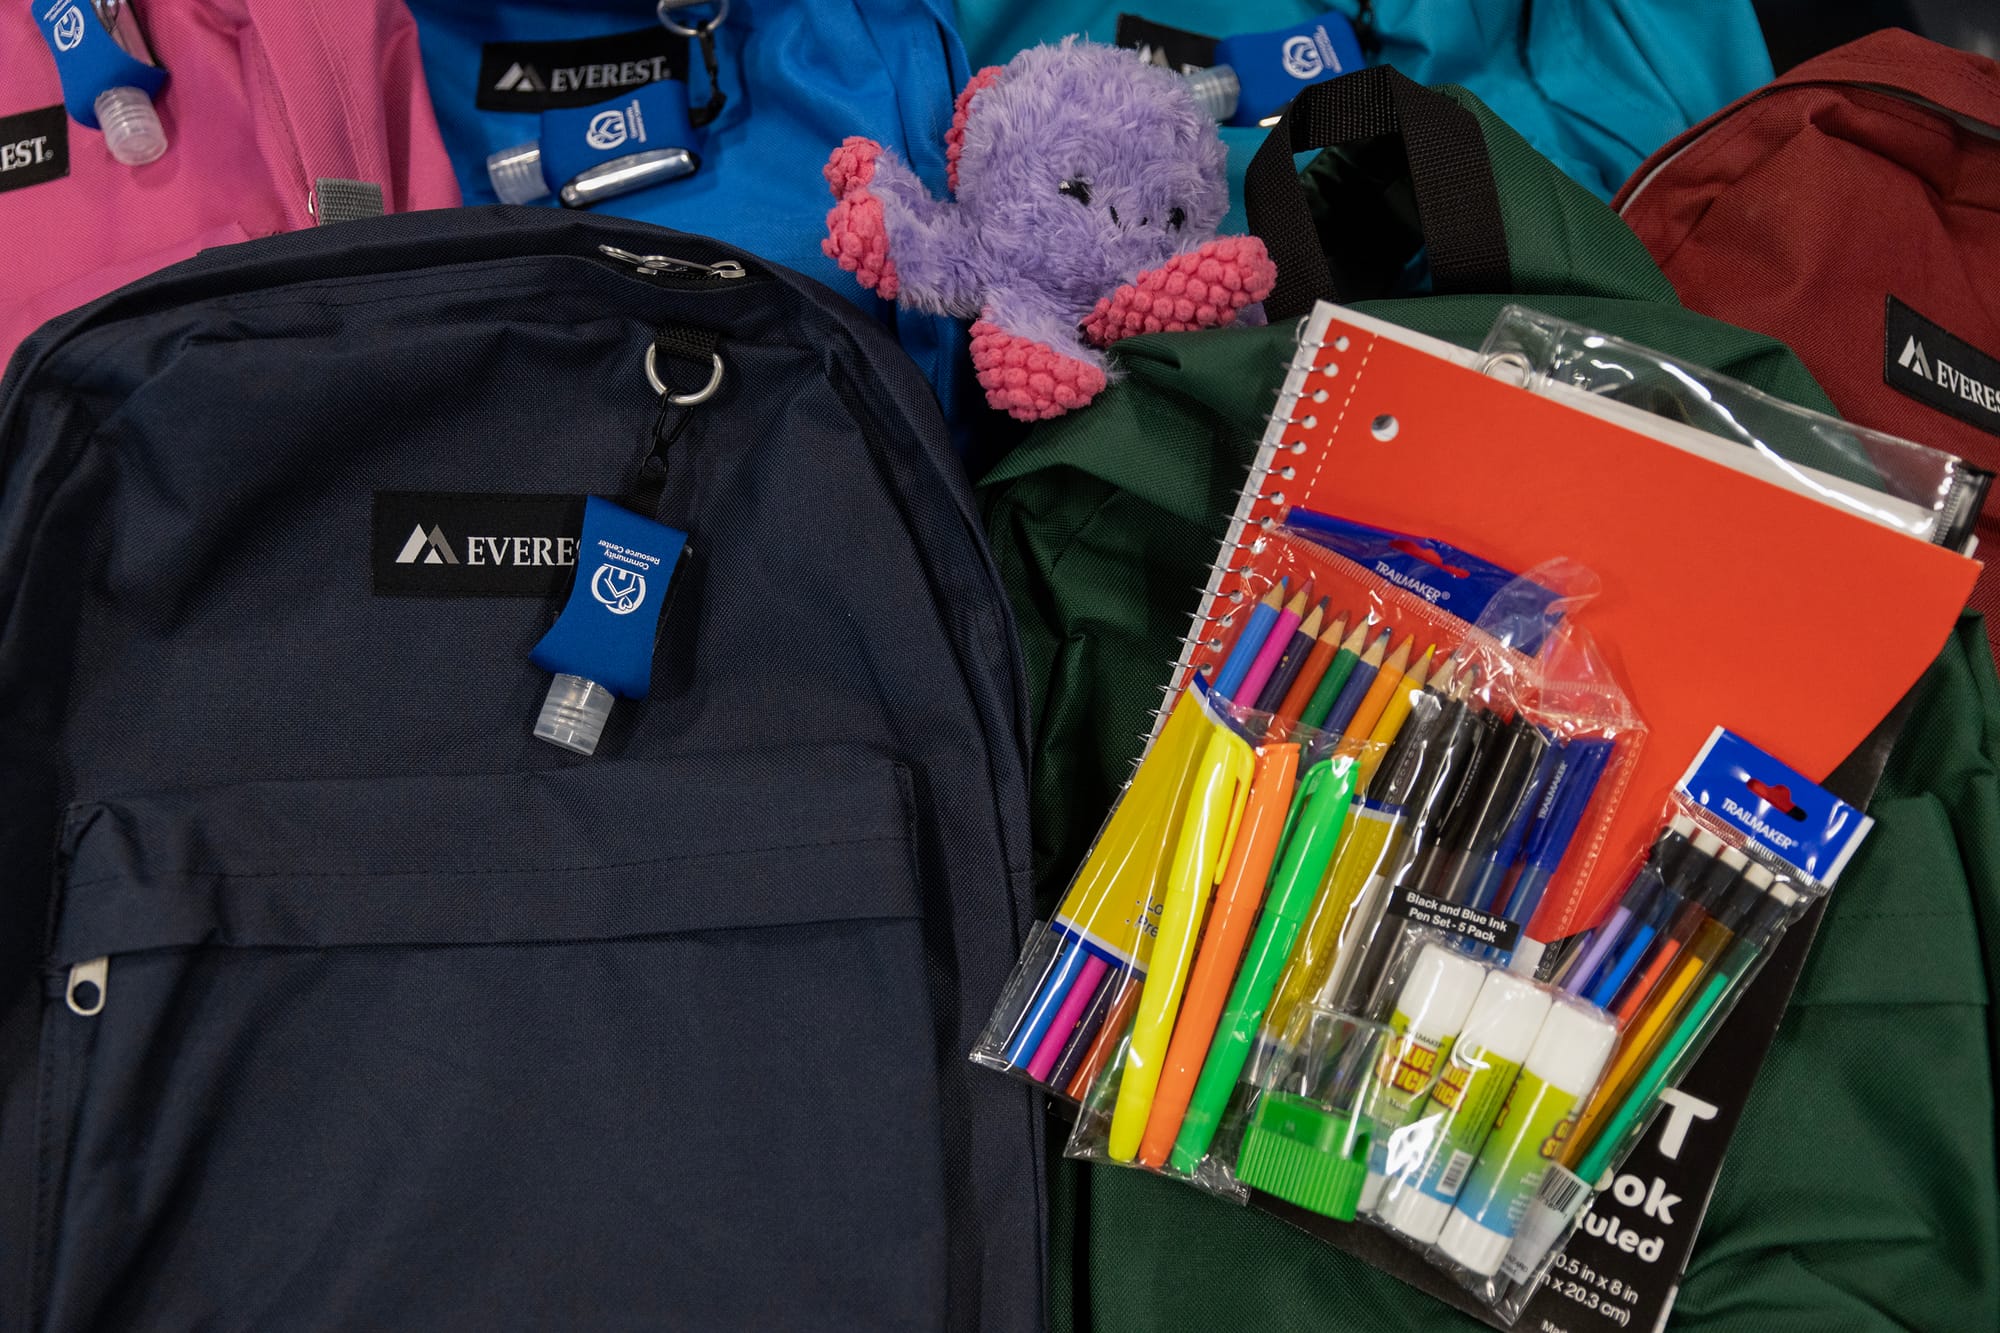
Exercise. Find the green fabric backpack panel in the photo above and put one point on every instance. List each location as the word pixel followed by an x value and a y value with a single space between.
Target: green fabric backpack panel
pixel 1860 1191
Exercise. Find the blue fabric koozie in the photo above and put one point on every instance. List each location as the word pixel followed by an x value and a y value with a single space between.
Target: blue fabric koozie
pixel 89 59
pixel 1271 67
pixel 605 633
pixel 575 139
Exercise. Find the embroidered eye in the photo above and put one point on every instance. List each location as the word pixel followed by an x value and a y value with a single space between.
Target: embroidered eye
pixel 1176 219
pixel 1078 190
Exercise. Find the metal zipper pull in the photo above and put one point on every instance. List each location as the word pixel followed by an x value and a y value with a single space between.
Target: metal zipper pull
pixel 657 265
pixel 85 992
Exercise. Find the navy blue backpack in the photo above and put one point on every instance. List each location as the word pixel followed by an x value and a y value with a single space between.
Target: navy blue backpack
pixel 331 998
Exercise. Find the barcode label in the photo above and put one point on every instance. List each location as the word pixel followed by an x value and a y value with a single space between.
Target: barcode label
pixel 1454 1174
pixel 1561 1189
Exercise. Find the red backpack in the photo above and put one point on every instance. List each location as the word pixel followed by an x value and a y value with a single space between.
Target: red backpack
pixel 1851 209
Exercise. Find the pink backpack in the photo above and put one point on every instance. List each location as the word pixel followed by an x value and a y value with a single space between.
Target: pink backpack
pixel 264 100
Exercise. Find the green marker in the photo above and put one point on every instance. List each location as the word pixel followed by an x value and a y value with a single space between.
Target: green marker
pixel 1322 811
pixel 1565 1190
pixel 1757 932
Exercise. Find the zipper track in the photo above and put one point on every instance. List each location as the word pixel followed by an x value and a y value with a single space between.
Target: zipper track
pixel 1694 137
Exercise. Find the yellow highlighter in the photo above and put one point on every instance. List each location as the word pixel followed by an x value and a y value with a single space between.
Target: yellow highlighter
pixel 1214 809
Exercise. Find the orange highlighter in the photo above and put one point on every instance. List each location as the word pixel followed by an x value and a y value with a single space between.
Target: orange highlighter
pixel 1235 913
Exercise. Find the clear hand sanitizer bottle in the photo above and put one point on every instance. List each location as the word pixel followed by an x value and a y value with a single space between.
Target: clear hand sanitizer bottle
pixel 133 134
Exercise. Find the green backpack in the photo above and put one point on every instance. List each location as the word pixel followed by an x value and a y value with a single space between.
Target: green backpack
pixel 1860 1190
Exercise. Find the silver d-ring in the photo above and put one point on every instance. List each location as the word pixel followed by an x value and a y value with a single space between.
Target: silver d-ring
pixel 699 30
pixel 701 395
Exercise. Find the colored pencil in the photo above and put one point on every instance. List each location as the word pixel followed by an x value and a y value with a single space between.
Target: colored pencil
pixel 1395 710
pixel 1304 639
pixel 1374 703
pixel 1358 685
pixel 1275 643
pixel 1237 665
pixel 1293 705
pixel 1328 690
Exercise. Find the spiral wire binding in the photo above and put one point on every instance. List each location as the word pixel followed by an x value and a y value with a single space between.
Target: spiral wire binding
pixel 1246 533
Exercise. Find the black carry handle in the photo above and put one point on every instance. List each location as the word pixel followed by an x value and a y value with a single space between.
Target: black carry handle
pixel 1458 205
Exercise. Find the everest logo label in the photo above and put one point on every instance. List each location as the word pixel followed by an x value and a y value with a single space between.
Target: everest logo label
pixel 473 544
pixel 1927 362
pixel 520 78
pixel 34 147
pixel 1913 358
pixel 427 545
pixel 544 76
pixel 1968 388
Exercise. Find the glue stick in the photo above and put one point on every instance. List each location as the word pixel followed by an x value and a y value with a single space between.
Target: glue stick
pixel 1485 1061
pixel 1568 1055
pixel 1430 1009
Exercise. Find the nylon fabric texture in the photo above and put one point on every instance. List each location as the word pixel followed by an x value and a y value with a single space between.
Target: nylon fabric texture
pixel 411 1020
pixel 1104 524
pixel 800 77
pixel 1914 128
pixel 264 98
pixel 1594 85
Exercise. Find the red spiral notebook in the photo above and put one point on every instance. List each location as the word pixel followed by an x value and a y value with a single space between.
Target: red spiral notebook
pixel 1727 600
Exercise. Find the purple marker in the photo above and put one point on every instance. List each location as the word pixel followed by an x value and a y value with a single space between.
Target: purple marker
pixel 1639 900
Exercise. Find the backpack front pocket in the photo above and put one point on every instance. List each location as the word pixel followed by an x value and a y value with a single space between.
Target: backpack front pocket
pixel 483 1051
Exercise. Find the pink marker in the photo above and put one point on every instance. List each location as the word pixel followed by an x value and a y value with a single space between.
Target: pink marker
pixel 1275 644
pixel 1065 1021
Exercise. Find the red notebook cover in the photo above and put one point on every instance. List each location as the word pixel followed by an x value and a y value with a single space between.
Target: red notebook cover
pixel 1726 599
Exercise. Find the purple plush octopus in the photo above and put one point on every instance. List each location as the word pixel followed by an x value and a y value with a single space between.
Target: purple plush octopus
pixel 1088 186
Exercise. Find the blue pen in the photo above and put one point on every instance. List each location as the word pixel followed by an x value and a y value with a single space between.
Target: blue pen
pixel 1564 801
pixel 1484 890
pixel 1237 665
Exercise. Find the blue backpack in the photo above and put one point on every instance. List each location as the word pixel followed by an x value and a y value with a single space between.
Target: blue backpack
pixel 330 997
pixel 796 77
pixel 1594 85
